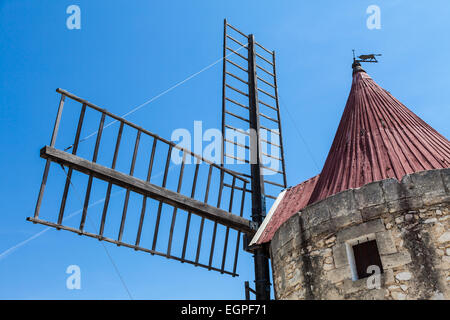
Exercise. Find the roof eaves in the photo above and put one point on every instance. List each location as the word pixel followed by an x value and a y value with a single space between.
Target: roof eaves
pixel 267 219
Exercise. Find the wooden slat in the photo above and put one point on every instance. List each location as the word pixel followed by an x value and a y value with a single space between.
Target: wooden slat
pixel 268 118
pixel 267 50
pixel 47 164
pixel 237 90
pixel 160 205
pixel 237 103
pixel 148 189
pixel 94 159
pixel 266 93
pixel 242 174
pixel 58 120
pixel 236 65
pixel 227 231
pixel 268 142
pixel 267 105
pixel 188 221
pixel 236 253
pixel 236 53
pixel 41 189
pixel 271 169
pixel 124 244
pixel 236 116
pixel 270 130
pixel 202 223
pixel 224 81
pixel 144 198
pixel 69 173
pixel 270 156
pixel 236 77
pixel 130 124
pixel 274 183
pixel 219 201
pixel 266 82
pixel 174 212
pixel 236 158
pixel 237 144
pixel 108 192
pixel 238 42
pixel 127 194
pixel 237 188
pixel 260 56
pixel 237 130
pixel 279 120
pixel 266 71
pixel 237 30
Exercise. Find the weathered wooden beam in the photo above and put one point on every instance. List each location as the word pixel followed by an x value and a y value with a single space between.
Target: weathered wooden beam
pixel 150 190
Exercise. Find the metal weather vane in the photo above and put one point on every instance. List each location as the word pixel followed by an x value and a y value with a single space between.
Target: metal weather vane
pixel 366 57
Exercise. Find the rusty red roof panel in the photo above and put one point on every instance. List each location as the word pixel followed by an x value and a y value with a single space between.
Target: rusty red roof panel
pixel 378 138
pixel 294 200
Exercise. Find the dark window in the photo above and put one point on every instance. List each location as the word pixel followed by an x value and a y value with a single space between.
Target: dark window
pixel 366 254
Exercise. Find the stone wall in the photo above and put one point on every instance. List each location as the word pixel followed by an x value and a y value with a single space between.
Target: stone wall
pixel 409 221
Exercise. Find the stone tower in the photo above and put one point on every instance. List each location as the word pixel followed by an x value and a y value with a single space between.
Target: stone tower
pixel 374 224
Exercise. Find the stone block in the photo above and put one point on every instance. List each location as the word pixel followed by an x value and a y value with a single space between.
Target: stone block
pixel 316 214
pixel 340 255
pixel 444 238
pixel 345 221
pixel 426 184
pixel 404 276
pixel 388 277
pixel 395 260
pixel 369 195
pixel 296 278
pixel 290 230
pixel 339 274
pixel 398 296
pixel 351 286
pixel 322 229
pixel 385 242
pixel 393 190
pixel 357 231
pixel 373 212
pixel 430 199
pixel 342 204
pixel 445 174
pixel 369 294
pixel 414 203
pixel 400 205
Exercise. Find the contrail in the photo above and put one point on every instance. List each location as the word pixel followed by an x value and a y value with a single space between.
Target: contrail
pixel 160 95
pixel 73 214
pixel 5 253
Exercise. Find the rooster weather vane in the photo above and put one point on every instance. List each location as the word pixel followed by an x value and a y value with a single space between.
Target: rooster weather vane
pixel 366 57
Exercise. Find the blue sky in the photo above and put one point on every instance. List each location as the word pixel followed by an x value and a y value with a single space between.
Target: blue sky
pixel 129 51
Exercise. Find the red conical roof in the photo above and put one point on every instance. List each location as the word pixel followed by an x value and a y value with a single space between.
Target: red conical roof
pixel 378 138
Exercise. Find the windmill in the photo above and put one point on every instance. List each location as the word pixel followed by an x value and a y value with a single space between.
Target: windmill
pixel 231 201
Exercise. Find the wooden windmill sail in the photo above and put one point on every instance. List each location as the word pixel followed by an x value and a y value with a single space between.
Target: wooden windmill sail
pixel 177 204
pixel 250 100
